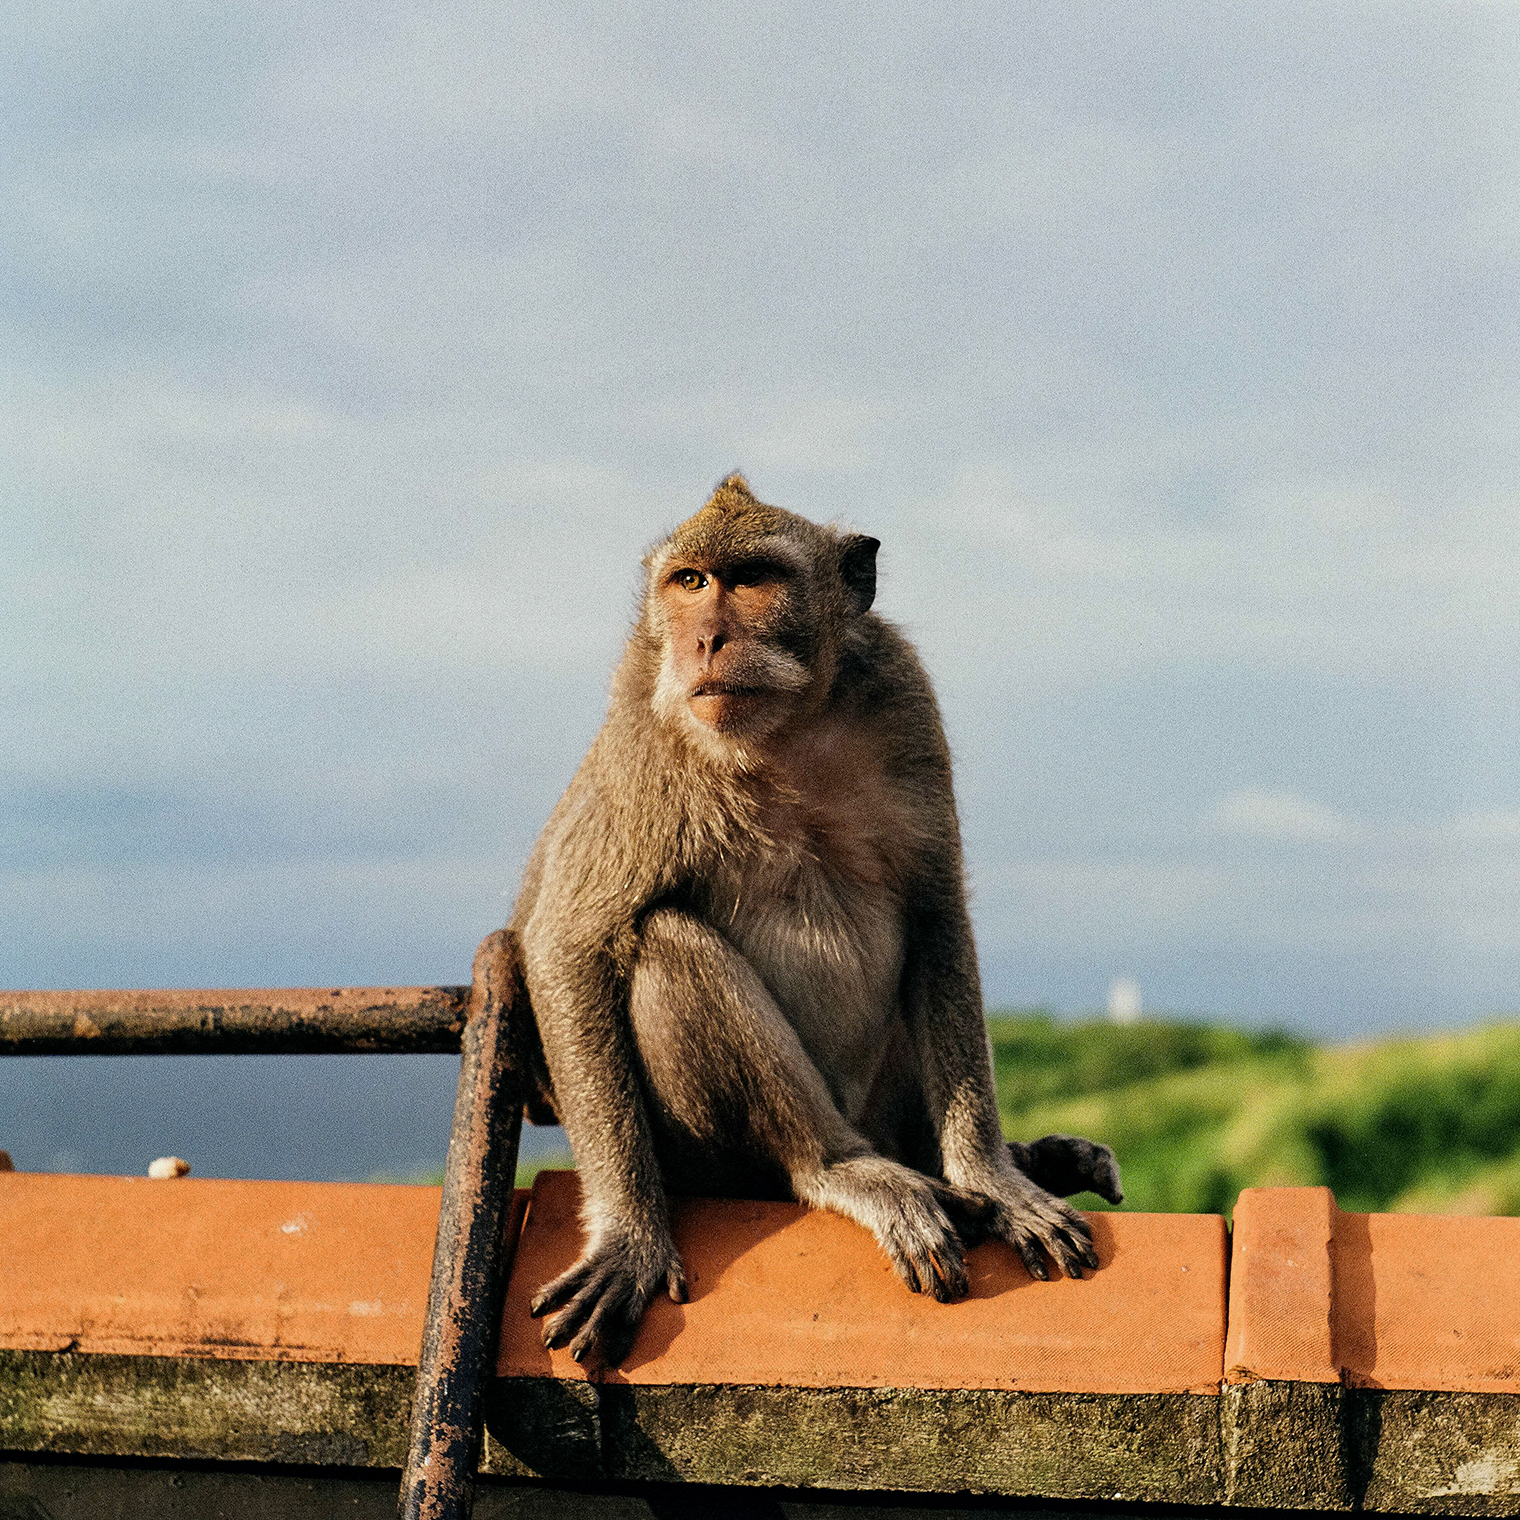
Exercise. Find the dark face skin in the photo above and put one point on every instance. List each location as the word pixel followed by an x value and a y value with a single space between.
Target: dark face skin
pixel 718 617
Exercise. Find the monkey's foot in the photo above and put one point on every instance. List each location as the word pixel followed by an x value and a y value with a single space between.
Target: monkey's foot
pixel 1036 1224
pixel 604 1296
pixel 1067 1164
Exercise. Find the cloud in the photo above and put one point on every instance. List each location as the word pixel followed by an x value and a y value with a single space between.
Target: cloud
pixel 1259 814
pixel 1501 825
pixel 1172 350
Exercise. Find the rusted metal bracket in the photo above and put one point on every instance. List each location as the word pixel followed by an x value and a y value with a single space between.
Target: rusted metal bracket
pixel 469 1259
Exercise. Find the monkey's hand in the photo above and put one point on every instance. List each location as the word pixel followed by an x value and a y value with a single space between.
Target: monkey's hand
pixel 602 1298
pixel 1067 1164
pixel 922 1224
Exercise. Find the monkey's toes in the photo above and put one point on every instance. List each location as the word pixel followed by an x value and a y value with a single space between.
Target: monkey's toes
pixel 940 1273
pixel 602 1298
pixel 560 1290
pixel 1040 1228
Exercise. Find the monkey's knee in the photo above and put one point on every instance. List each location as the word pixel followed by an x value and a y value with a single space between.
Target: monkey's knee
pixel 689 1004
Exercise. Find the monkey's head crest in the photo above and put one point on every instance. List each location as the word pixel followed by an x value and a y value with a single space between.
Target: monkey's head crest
pixel 734 523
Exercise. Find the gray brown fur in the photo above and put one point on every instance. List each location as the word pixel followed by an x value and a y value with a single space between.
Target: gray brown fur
pixel 746 941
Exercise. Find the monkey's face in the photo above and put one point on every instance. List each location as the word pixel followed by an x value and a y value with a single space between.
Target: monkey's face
pixel 735 659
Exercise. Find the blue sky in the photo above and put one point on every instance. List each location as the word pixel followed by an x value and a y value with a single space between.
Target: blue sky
pixel 353 355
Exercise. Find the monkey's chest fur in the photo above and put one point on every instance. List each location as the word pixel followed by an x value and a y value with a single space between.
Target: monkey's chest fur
pixel 817 910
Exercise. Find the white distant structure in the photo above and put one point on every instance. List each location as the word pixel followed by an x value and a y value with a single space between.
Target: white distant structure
pixel 1123 1000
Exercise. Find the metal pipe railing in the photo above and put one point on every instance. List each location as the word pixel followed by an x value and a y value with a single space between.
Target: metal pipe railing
pixel 464 1308
pixel 264 1021
pixel 469 1278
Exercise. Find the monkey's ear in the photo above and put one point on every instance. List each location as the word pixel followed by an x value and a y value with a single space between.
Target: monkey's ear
pixel 857 569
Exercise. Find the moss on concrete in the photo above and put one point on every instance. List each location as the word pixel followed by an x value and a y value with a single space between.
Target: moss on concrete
pixel 1152 1448
pixel 162 1406
pixel 1264 1445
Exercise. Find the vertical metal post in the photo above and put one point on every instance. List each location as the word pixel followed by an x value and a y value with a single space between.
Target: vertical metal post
pixel 469 1278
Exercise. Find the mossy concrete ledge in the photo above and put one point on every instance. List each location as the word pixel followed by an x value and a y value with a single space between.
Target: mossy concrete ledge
pixel 1363 1362
pixel 1138 1448
pixel 800 1361
pixel 204 1409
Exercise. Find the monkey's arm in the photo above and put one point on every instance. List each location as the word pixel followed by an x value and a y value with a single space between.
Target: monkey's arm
pixel 942 1002
pixel 576 938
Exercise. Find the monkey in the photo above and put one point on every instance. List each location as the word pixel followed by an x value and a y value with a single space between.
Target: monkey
pixel 744 939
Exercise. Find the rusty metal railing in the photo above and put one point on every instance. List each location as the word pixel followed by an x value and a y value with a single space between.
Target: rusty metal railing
pixel 469 1278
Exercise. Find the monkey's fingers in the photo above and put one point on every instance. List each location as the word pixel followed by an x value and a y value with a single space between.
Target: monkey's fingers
pixel 950 1281
pixel 1032 1256
pixel 562 1327
pixel 606 1310
pixel 1039 1225
pixel 612 1324
pixel 562 1289
pixel 675 1285
pixel 1069 1242
pixel 930 1265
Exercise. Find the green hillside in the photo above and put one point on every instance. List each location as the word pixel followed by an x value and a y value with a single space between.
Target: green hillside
pixel 1197 1112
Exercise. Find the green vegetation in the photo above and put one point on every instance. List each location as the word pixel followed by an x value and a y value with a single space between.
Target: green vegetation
pixel 1196 1112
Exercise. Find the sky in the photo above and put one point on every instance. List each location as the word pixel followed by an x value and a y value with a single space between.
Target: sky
pixel 353 354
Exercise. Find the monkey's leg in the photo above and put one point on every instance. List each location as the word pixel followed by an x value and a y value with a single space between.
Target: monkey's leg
pixel 896 1122
pixel 729 1081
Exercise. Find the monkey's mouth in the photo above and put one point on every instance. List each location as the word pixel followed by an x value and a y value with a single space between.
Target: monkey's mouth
pixel 721 704
pixel 723 689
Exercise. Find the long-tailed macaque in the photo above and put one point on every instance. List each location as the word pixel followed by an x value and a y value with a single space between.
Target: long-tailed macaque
pixel 745 940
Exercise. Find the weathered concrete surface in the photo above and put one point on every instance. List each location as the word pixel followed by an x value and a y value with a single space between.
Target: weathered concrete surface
pixel 201 1407
pixel 1284 1446
pixel 1136 1448
pixel 1439 1453
pixel 1143 1448
pixel 1150 1448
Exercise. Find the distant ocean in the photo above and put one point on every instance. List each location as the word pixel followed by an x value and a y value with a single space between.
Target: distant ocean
pixel 323 1118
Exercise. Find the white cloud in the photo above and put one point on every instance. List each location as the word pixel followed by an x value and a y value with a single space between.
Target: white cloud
pixel 1500 825
pixel 1256 813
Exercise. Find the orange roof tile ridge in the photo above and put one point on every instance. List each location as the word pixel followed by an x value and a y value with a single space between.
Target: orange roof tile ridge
pixel 1280 1323
pixel 786 1296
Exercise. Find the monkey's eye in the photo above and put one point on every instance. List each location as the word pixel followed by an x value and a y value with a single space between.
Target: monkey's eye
pixel 691 580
